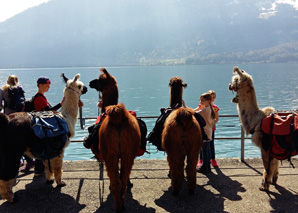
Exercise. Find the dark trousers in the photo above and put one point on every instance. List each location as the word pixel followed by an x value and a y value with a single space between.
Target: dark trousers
pixel 39 166
pixel 212 150
pixel 206 154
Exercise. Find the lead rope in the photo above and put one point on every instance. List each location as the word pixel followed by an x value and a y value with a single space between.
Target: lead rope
pixel 101 167
pixel 101 189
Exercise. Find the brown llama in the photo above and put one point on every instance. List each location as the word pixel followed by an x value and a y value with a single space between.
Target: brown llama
pixel 17 137
pixel 119 137
pixel 250 116
pixel 181 137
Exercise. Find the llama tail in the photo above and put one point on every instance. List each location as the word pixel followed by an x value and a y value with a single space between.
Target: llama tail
pixel 116 113
pixel 184 116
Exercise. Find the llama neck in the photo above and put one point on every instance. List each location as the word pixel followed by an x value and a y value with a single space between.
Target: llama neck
pixel 175 97
pixel 248 108
pixel 69 111
pixel 109 97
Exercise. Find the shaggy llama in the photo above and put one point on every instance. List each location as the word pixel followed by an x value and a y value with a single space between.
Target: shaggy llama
pixel 119 137
pixel 17 137
pixel 250 116
pixel 181 137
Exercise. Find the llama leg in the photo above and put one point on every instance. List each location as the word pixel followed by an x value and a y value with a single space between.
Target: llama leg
pixel 191 173
pixel 115 181
pixel 267 178
pixel 56 164
pixel 176 164
pixel 126 166
pixel 6 190
pixel 49 174
pixel 276 171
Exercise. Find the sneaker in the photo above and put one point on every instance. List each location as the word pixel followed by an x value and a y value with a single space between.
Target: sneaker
pixel 28 167
pixel 199 164
pixel 214 163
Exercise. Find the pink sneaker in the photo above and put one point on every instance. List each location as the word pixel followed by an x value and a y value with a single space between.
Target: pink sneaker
pixel 214 163
pixel 199 164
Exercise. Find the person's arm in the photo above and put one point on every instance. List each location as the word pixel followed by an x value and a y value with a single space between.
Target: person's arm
pixel 200 107
pixel 216 117
pixel 216 109
pixel 56 107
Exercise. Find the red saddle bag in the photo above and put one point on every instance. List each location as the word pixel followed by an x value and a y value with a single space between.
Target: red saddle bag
pixel 280 135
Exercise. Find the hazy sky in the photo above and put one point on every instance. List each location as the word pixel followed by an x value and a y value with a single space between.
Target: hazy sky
pixel 9 8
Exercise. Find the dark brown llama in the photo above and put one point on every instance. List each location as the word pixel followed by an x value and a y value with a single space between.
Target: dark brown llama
pixel 119 137
pixel 181 137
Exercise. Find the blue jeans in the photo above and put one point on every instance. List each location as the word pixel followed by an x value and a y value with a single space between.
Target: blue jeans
pixel 206 154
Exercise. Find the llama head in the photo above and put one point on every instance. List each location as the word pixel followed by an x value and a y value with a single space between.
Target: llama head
pixel 107 87
pixel 176 84
pixel 75 84
pixel 104 81
pixel 240 80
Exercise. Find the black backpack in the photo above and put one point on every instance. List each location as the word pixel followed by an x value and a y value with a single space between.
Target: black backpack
pixel 16 99
pixel 29 104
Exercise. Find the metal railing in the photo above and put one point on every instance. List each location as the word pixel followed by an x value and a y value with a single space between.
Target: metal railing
pixel 242 135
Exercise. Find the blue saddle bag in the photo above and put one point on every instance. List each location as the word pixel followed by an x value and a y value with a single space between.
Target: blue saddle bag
pixel 51 133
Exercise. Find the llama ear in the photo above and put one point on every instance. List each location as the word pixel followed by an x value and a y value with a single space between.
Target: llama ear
pixel 77 77
pixel 237 71
pixel 64 78
pixel 105 72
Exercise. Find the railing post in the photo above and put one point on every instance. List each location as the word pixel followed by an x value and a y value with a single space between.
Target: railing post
pixel 242 143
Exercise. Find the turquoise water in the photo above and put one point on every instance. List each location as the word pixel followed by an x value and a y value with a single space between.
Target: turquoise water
pixel 145 90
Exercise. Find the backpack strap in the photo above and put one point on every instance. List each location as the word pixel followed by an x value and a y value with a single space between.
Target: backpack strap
pixel 37 95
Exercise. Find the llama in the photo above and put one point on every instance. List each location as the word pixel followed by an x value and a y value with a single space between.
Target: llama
pixel 13 146
pixel 181 137
pixel 250 116
pixel 119 137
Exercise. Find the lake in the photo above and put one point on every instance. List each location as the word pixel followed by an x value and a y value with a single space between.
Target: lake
pixel 145 90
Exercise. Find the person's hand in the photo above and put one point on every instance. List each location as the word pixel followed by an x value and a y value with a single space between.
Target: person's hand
pixel 81 104
pixel 99 104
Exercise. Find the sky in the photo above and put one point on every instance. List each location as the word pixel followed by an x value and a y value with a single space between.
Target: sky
pixel 10 8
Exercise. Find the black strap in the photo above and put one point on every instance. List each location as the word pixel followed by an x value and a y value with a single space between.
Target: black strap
pixel 292 138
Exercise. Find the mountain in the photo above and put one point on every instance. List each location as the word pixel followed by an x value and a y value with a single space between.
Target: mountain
pixel 139 32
